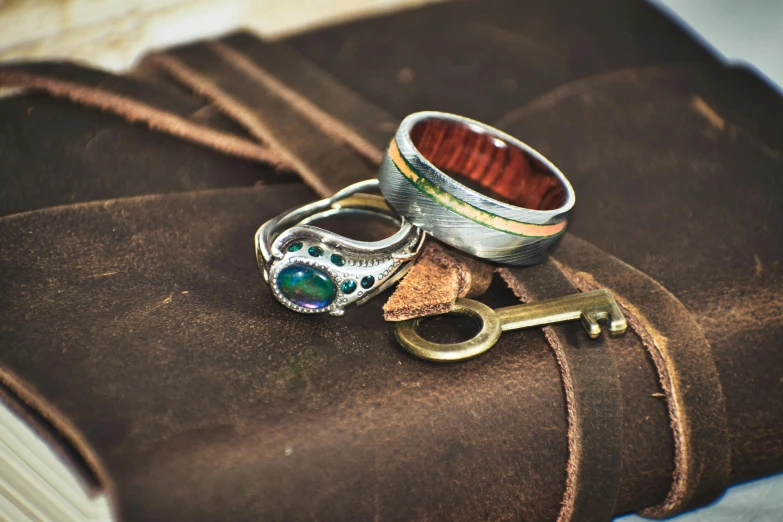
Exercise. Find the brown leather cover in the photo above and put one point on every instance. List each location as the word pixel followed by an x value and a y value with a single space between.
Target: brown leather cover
pixel 140 328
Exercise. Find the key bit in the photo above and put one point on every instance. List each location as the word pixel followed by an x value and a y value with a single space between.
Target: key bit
pixel 589 307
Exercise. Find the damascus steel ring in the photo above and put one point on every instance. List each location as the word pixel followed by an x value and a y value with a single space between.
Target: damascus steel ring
pixel 312 270
pixel 510 206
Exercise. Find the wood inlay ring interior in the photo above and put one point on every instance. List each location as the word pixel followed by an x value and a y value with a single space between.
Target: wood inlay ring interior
pixel 487 163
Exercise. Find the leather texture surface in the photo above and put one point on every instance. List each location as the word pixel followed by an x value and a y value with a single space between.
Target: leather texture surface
pixel 200 396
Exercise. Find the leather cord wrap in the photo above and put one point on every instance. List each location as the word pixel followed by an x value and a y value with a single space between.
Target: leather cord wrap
pixel 594 406
pixel 45 78
pixel 686 368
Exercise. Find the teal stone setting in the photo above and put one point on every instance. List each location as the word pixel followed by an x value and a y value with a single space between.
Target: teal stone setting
pixel 348 286
pixel 295 247
pixel 306 286
pixel 367 282
pixel 315 251
pixel 337 259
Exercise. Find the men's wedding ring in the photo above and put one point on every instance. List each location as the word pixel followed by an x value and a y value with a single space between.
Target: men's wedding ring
pixel 510 204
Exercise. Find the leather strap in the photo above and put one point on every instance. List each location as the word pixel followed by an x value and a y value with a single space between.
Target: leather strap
pixel 593 400
pixel 686 368
pixel 321 148
pixel 369 127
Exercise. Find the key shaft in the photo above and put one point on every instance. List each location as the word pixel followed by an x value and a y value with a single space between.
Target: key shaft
pixel 590 307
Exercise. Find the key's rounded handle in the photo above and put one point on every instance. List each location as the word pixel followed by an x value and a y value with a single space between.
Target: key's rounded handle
pixel 488 335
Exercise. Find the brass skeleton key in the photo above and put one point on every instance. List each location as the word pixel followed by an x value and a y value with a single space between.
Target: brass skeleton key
pixel 590 307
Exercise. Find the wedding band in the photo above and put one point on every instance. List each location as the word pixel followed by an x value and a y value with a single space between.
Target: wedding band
pixel 312 270
pixel 526 214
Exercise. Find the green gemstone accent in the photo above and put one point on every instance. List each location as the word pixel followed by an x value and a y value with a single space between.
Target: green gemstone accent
pixel 293 247
pixel 315 251
pixel 348 286
pixel 306 286
pixel 367 282
pixel 337 259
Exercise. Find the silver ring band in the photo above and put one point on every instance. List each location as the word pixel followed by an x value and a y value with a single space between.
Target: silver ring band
pixel 531 200
pixel 311 270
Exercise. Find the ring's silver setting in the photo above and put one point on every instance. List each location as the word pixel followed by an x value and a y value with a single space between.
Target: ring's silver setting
pixel 289 248
pixel 465 218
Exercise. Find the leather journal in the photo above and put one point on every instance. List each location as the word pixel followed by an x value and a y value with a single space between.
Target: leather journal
pixel 138 337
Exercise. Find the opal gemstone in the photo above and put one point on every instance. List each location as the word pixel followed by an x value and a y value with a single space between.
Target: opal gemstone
pixel 306 286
